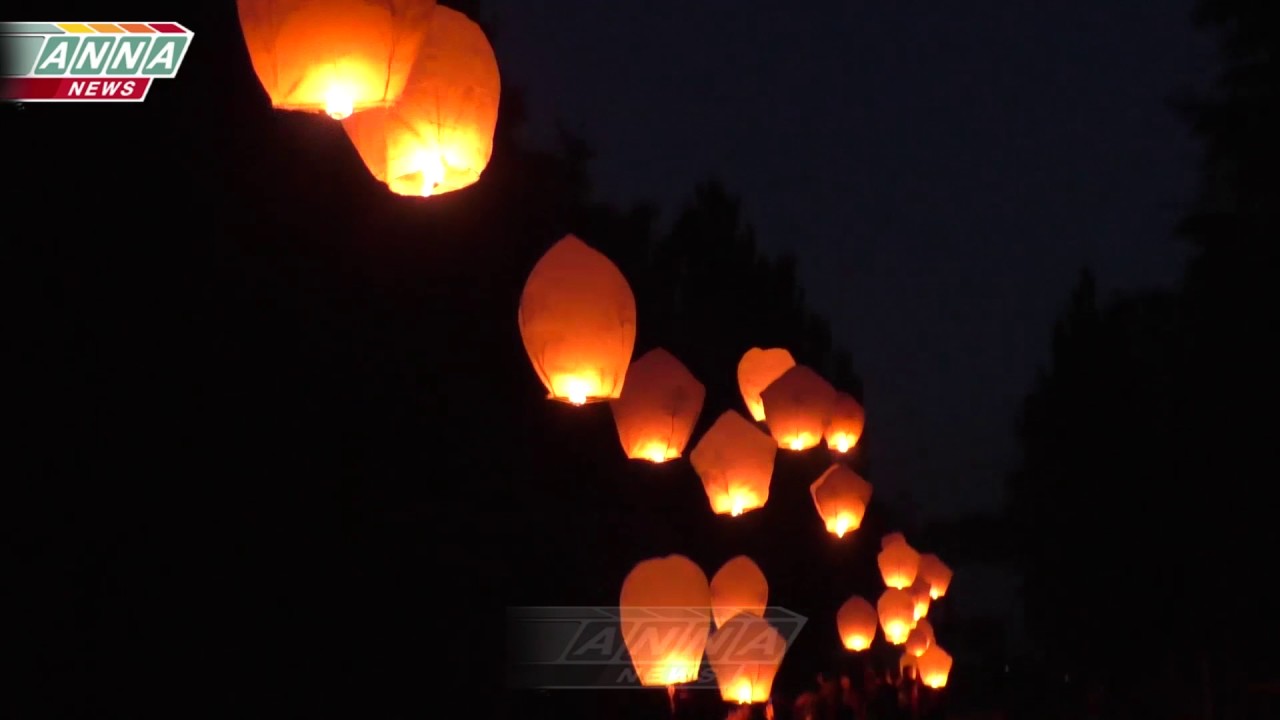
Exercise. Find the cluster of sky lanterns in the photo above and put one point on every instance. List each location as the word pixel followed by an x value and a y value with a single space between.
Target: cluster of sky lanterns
pixel 415 85
pixel 577 320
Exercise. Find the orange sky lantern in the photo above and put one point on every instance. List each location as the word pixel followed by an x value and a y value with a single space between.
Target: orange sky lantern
pixel 936 573
pixel 899 563
pixel 895 609
pixel 739 586
pixel 935 666
pixel 756 370
pixel 578 322
pixel 919 592
pixel 334 56
pixel 734 459
pixel 841 496
pixel 856 621
pixel 658 407
pixel 797 408
pixel 917 642
pixel 437 137
pixel 847 423
pixel 745 654
pixel 665 609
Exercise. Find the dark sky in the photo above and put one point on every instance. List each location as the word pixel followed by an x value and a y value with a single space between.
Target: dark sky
pixel 943 170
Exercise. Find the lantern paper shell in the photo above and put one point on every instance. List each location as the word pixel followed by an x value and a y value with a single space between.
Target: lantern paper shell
pixel 917 642
pixel 334 56
pixel 738 587
pixel 892 538
pixel 935 666
pixel 578 322
pixel 735 462
pixel 665 610
pixel 745 654
pixel 841 496
pixel 919 592
pixel 847 422
pixel 658 407
pixel 899 563
pixel 936 573
pixel 797 408
pixel 438 135
pixel 856 621
pixel 895 609
pixel 757 369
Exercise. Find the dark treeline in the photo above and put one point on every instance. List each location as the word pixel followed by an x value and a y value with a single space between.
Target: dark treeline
pixel 288 455
pixel 1148 535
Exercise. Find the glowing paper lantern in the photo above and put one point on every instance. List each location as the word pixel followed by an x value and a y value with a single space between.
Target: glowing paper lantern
pixel 745 654
pixel 936 573
pixel 797 408
pixel 739 586
pixel 735 462
pixel 919 592
pixel 438 135
pixel 895 609
pixel 841 496
pixel 935 666
pixel 856 621
pixel 334 56
pixel 917 642
pixel 899 563
pixel 756 370
pixel 925 628
pixel 665 610
pixel 658 407
pixel 578 322
pixel 847 423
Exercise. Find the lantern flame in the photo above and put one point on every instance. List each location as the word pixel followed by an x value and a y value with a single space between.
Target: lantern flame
pixel 897 631
pixel 339 102
pixel 573 389
pixel 844 521
pixel 842 443
pixel 431 172
pixel 857 643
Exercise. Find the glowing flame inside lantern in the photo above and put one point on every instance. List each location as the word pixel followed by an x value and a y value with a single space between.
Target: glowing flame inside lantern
pixel 431 168
pixel 843 443
pixel 658 452
pixel 896 631
pixel 339 102
pixel 575 390
pixel 857 642
pixel 844 522
pixel 801 441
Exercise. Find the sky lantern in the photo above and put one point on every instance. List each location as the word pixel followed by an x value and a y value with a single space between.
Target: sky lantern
pixel 895 609
pixel 856 620
pixel 745 654
pixel 919 592
pixel 841 496
pixel 935 666
pixel 917 642
pixel 734 459
pixel 334 56
pixel 578 322
pixel 739 586
pixel 847 422
pixel 757 369
pixel 925 628
pixel 797 407
pixel 658 407
pixel 438 135
pixel 899 563
pixel 665 610
pixel 936 573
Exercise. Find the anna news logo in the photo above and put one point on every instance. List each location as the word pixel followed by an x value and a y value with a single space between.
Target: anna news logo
pixel 88 61
pixel 581 648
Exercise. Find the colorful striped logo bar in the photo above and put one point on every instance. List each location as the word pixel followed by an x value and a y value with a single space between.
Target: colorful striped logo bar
pixel 88 61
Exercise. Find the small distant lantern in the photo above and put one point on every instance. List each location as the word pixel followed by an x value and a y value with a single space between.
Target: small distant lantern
pixel 745 654
pixel 739 586
pixel 578 322
pixel 899 563
pixel 735 463
pixel 936 573
pixel 925 628
pixel 437 136
pixel 797 408
pixel 665 610
pixel 756 370
pixel 658 407
pixel 856 621
pixel 917 642
pixel 334 56
pixel 841 496
pixel 935 666
pixel 847 422
pixel 895 609
pixel 919 592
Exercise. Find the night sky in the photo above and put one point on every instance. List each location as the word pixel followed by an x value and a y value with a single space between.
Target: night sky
pixel 943 171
